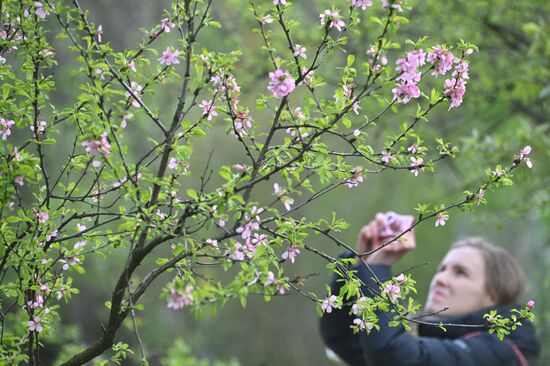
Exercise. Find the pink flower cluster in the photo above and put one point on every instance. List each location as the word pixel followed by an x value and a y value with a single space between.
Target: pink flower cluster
pixel 166 25
pixel 363 4
pixel 381 60
pixel 136 90
pixel 417 165
pixel 271 280
pixel 208 110
pixel 178 300
pixel 291 253
pixel 356 178
pixel 169 57
pixel 252 239
pixel 98 147
pixel 287 201
pixel 281 83
pixel 409 76
pixel 5 126
pixel 397 4
pixel 333 19
pixel 40 127
pixel 441 59
pixel 392 291
pixel 226 86
pixel 523 156
pixel 329 303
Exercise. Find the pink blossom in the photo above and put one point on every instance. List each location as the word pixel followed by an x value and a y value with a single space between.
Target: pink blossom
pixel 298 113
pixel 333 19
pixel 387 157
pixel 173 164
pixel 405 91
pixel 497 173
pixel 363 4
pixel 397 4
pixel 241 167
pixel 136 90
pixel 169 57
pixel 5 126
pixel 409 65
pixel 132 66
pixel 441 219
pixel 42 217
pixel 208 110
pixel 455 88
pixel 125 119
pixel 247 229
pixel 34 325
pixel 359 306
pixel 98 147
pixel 266 19
pixel 41 127
pixel 212 242
pixel 166 24
pixel 238 252
pixel 40 11
pixel 308 78
pixel 300 51
pixel 480 195
pixel 291 253
pixel 20 180
pixel 11 205
pixel 417 164
pixel 51 235
pixel 530 304
pixel 79 244
pixel 356 133
pixel 356 178
pixel 329 303
pixel 46 53
pixel 287 202
pixel 259 239
pixel 392 291
pixel 401 278
pixel 442 60
pixel 278 191
pixel 270 279
pixel 523 156
pixel 69 262
pixel 381 59
pixel 281 83
pixel 277 2
pixel 362 325
pixel 178 300
pixel 413 149
pixel 161 215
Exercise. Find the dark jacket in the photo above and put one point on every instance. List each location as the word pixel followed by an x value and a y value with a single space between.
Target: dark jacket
pixel 459 346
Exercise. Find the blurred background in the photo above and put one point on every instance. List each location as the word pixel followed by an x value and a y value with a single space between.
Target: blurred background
pixel 505 108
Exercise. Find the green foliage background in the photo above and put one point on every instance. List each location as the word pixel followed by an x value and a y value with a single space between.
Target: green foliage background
pixel 506 107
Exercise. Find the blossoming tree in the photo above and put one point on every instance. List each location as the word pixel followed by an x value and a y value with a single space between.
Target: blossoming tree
pixel 308 135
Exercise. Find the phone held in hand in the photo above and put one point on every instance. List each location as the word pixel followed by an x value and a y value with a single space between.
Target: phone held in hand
pixel 394 224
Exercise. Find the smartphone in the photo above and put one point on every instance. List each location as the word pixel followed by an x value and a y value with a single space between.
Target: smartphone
pixel 395 224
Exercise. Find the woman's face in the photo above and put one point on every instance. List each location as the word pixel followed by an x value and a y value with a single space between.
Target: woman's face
pixel 459 284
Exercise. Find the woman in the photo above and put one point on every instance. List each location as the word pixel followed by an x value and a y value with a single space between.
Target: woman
pixel 473 278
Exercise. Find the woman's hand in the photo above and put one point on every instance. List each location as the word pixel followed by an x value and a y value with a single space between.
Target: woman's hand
pixel 382 230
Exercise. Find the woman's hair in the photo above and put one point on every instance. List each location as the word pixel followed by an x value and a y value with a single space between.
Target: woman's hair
pixel 503 278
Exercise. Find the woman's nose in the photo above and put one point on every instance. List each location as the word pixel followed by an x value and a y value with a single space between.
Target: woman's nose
pixel 441 278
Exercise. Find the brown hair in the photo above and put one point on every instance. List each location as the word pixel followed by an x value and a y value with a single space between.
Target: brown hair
pixel 504 280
